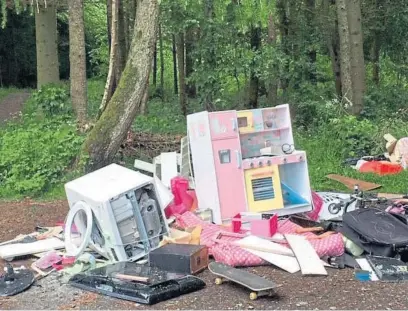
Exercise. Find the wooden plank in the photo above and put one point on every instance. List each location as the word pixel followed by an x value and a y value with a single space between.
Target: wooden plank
pixel 351 182
pixel 390 195
pixel 287 263
pixel 168 161
pixel 21 249
pixel 309 261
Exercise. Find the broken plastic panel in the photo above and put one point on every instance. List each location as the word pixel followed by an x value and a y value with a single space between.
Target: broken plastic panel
pixel 155 286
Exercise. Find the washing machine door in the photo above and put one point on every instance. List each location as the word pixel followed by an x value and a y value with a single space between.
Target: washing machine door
pixel 81 215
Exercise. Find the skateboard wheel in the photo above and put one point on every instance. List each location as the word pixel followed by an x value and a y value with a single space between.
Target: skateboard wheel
pixel 218 281
pixel 253 296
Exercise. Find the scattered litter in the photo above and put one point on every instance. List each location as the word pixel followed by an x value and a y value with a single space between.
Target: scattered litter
pixel 48 260
pixel 365 266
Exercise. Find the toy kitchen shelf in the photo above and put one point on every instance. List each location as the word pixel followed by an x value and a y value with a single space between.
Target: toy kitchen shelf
pixel 233 173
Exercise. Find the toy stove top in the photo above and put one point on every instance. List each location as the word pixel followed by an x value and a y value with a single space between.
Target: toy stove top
pixel 295 157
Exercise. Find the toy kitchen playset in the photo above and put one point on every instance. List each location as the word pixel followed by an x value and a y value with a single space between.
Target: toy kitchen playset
pixel 245 162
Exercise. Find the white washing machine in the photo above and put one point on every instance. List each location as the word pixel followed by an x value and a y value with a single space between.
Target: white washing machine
pixel 117 212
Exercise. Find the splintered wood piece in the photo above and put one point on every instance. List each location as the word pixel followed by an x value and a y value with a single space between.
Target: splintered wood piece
pixel 131 277
pixel 351 182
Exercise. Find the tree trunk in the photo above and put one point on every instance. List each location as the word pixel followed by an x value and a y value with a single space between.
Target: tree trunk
pixel 182 73
pixel 109 21
pixel 77 59
pixel 376 58
pixel 333 45
pixel 284 33
pixel 110 85
pixel 357 55
pixel 272 91
pixel 155 66
pixel 46 43
pixel 161 64
pixel 105 139
pixel 122 48
pixel 254 79
pixel 312 55
pixel 345 57
pixel 190 88
pixel 175 78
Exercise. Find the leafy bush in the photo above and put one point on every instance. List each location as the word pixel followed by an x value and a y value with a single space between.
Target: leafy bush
pixel 35 154
pixel 50 99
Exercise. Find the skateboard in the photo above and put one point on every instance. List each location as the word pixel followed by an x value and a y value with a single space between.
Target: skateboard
pixel 258 285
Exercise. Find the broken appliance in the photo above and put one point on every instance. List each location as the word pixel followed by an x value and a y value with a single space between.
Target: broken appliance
pixel 245 162
pixel 117 212
pixel 133 282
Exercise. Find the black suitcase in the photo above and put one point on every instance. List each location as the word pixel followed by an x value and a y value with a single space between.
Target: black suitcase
pixel 377 232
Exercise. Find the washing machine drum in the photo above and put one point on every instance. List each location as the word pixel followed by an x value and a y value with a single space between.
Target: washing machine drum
pixel 81 216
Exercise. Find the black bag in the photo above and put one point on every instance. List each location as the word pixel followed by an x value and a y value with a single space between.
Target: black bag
pixel 376 231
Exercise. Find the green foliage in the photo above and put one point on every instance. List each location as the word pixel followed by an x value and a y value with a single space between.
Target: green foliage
pixel 97 37
pixel 165 118
pixel 51 100
pixel 35 154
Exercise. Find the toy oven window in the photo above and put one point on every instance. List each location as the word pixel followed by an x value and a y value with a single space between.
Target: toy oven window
pixel 225 156
pixel 242 122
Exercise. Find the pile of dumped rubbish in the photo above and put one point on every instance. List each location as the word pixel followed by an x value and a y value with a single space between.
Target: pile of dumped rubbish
pixel 221 203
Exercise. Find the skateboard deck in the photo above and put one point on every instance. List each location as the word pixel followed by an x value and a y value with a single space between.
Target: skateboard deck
pixel 259 285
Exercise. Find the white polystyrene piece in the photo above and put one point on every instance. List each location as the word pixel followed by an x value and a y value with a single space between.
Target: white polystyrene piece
pixel 84 229
pixel 165 195
pixel 168 161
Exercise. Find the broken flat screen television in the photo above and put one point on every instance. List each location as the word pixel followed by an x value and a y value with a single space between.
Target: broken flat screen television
pixel 389 269
pixel 135 282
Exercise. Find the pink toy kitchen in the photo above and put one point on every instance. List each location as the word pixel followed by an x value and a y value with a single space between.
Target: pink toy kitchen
pixel 245 162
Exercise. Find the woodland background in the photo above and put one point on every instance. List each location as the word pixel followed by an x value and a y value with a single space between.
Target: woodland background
pixel 340 64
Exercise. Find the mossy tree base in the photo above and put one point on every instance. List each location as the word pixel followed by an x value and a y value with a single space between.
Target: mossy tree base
pixel 109 132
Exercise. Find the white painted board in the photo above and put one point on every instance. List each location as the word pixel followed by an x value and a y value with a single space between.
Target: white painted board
pixel 21 249
pixel 205 179
pixel 309 261
pixel 255 243
pixel 287 263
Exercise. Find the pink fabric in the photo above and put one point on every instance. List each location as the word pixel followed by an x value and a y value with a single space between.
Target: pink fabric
pixel 332 245
pixel 218 240
pixel 226 252
pixel 317 207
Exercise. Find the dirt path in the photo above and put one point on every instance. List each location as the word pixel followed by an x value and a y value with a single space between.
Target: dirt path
pixel 339 290
pixel 12 104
